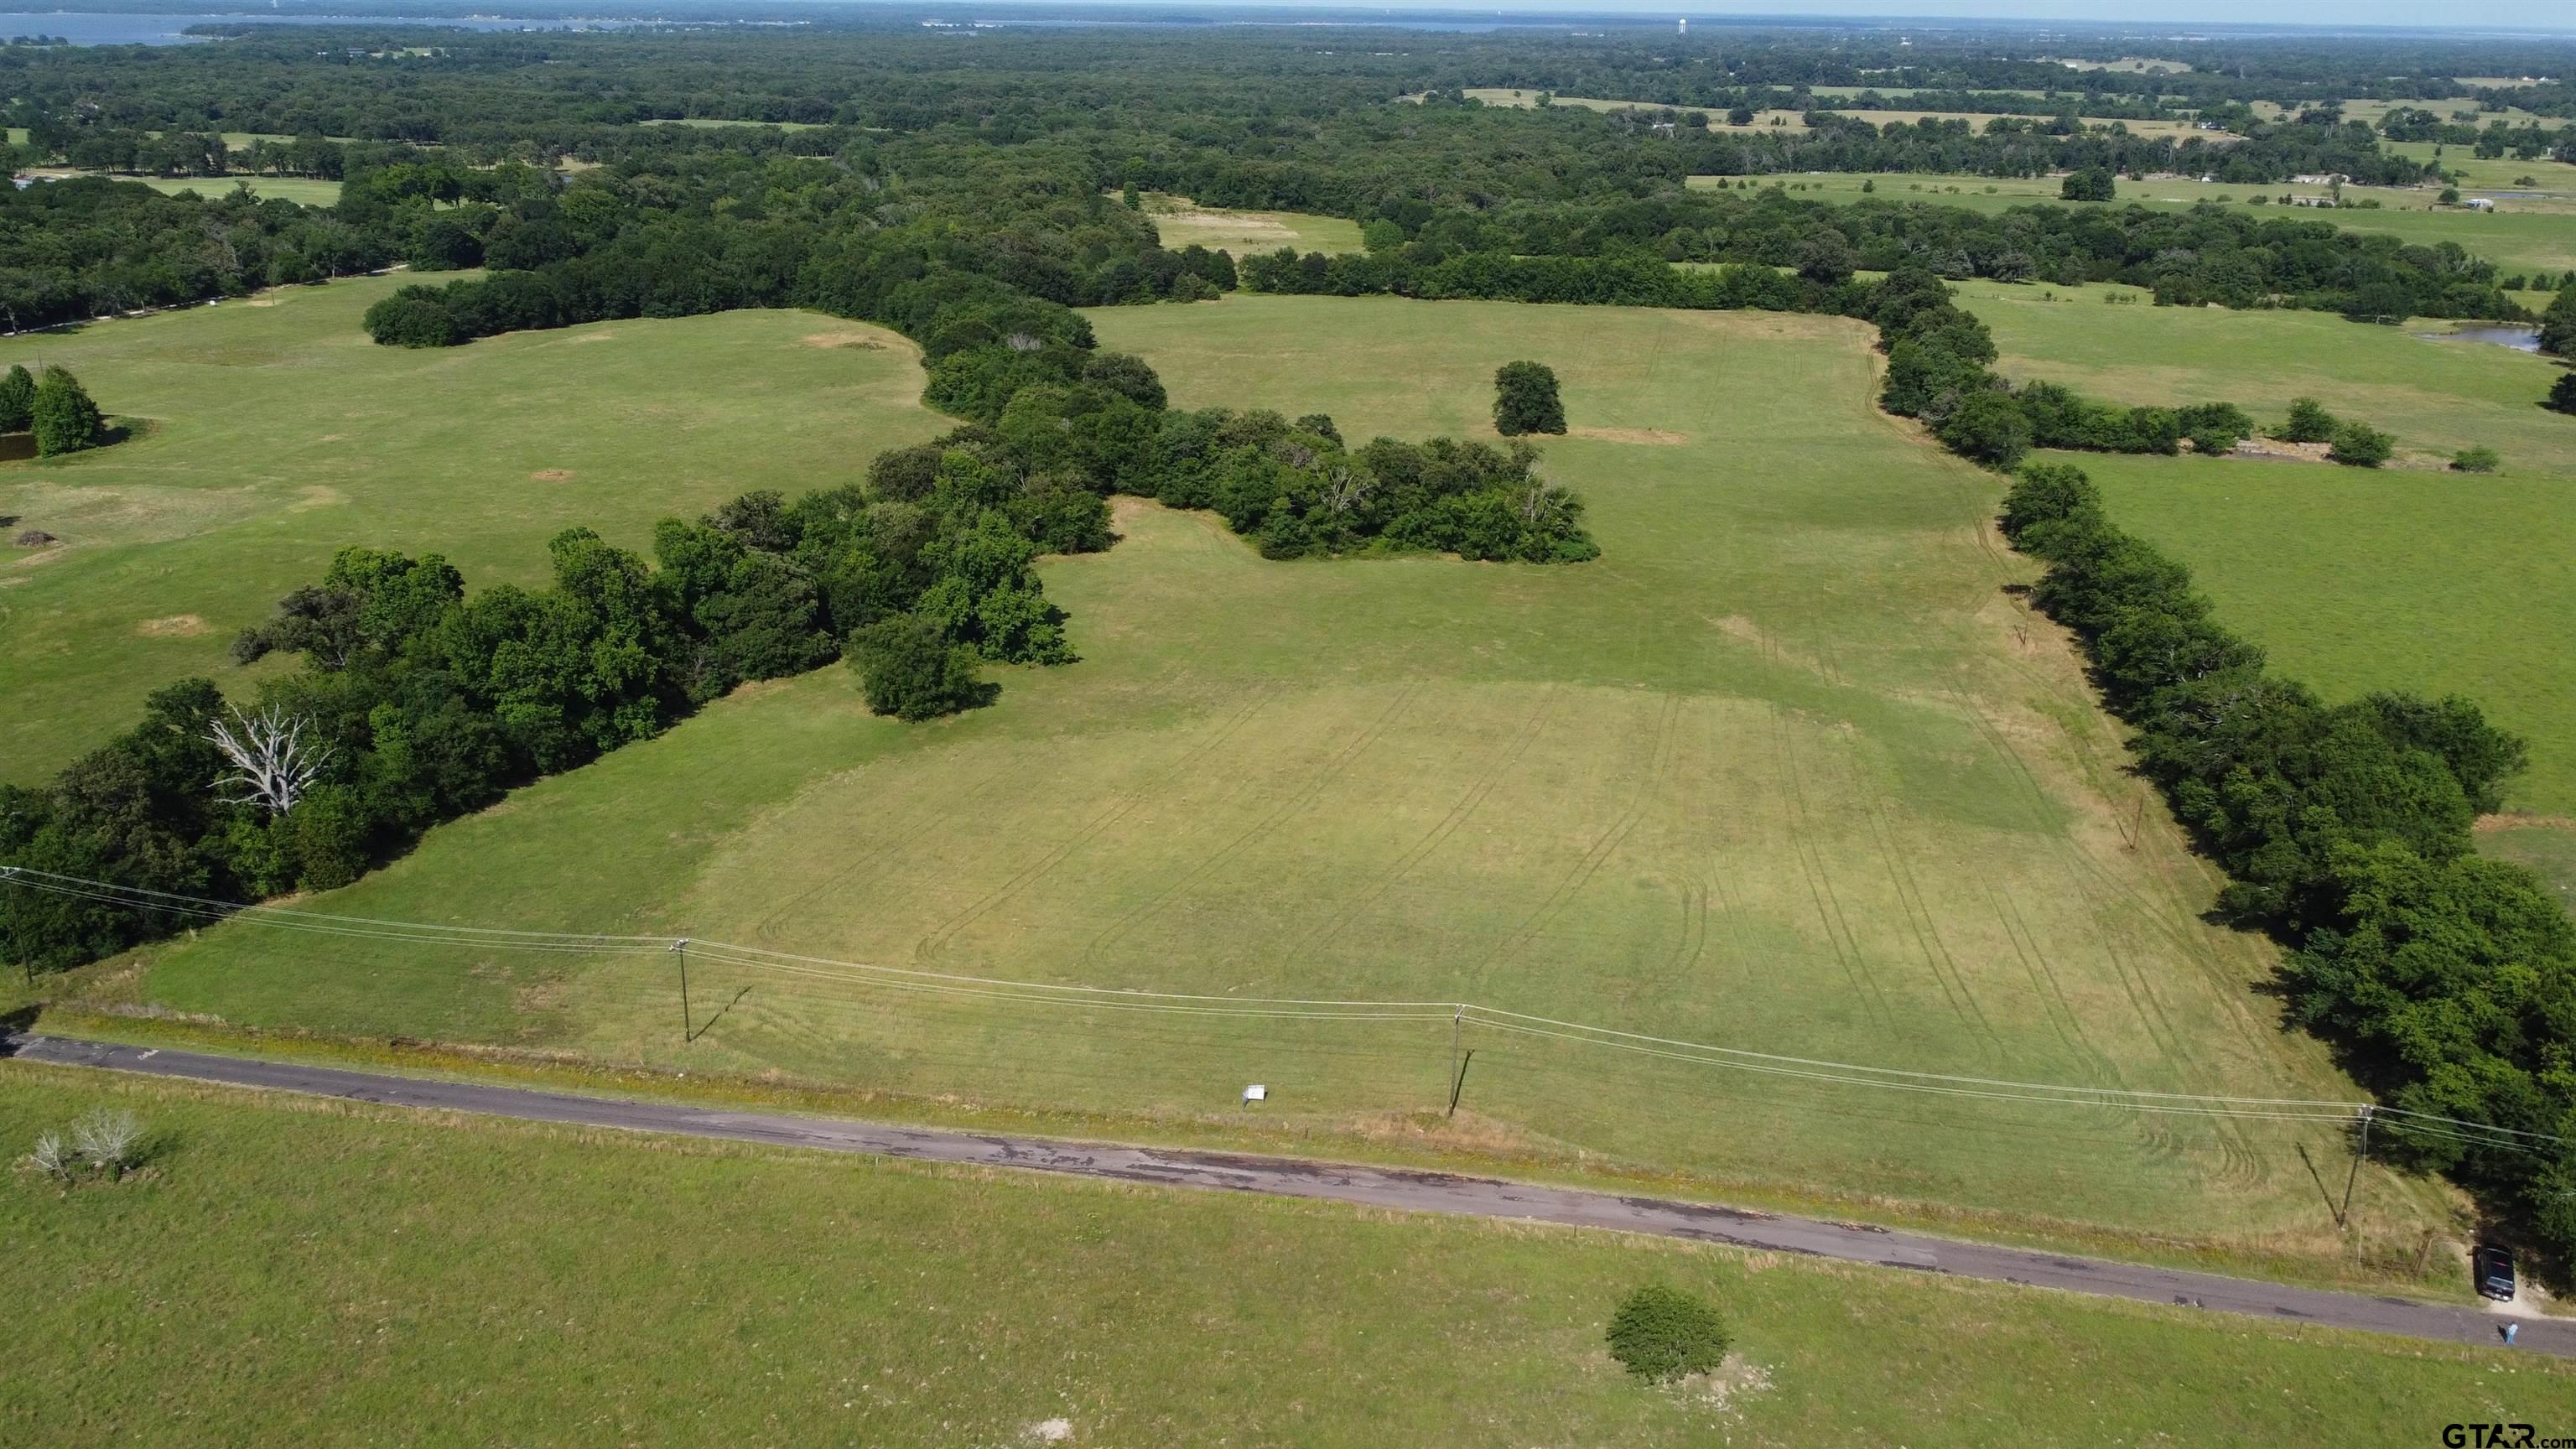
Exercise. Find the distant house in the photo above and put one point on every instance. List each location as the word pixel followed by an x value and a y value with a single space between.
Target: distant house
pixel 2327 179
pixel 2480 203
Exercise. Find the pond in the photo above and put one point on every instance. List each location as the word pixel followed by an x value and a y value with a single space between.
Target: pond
pixel 2520 339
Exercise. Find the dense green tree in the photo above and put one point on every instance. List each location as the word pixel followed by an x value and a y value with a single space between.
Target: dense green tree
pixel 64 418
pixel 2093 183
pixel 1525 400
pixel 17 400
pixel 1988 426
pixel 910 670
pixel 2562 394
pixel 2558 325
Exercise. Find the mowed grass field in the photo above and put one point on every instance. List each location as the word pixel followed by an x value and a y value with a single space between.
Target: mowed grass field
pixel 2530 235
pixel 315 1271
pixel 1786 769
pixel 271 432
pixel 302 190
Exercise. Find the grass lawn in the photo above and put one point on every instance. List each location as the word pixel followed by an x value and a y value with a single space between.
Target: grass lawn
pixel 302 190
pixel 1181 222
pixel 314 1271
pixel 1787 768
pixel 2400 578
pixel 273 432
pixel 2519 236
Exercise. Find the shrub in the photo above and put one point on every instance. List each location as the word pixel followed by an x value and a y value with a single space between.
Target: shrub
pixel 2562 394
pixel 2475 460
pixel 1525 400
pixel 53 1157
pixel 108 1140
pixel 2359 445
pixel 2309 422
pixel 65 420
pixel 1661 1334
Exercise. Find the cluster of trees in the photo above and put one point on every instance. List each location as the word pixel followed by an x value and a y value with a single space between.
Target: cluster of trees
pixel 88 247
pixel 416 703
pixel 2448 980
pixel 57 410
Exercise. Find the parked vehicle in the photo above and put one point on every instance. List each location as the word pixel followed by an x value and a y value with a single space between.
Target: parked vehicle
pixel 2492 1266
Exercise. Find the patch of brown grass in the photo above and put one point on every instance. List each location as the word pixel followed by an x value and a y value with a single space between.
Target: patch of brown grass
pixel 551 475
pixel 176 626
pixel 1652 437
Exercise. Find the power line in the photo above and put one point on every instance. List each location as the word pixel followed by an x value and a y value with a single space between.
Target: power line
pixel 1085 997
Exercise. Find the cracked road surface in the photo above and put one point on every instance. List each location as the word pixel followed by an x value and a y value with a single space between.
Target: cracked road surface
pixel 1402 1189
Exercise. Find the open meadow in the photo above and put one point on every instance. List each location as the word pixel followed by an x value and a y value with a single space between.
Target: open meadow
pixel 302 190
pixel 2410 577
pixel 271 432
pixel 1180 222
pixel 1788 768
pixel 313 1271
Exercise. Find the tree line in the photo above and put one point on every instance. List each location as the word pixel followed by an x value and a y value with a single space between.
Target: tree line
pixel 87 247
pixel 2446 981
pixel 416 702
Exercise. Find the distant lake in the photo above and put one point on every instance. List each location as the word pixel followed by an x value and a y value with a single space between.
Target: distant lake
pixel 165 29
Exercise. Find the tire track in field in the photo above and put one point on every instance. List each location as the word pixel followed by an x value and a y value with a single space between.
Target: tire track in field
pixel 1659 757
pixel 2239 1159
pixel 2084 874
pixel 1735 934
pixel 1820 886
pixel 1123 804
pixel 1303 796
pixel 1917 911
pixel 1460 812
pixel 874 862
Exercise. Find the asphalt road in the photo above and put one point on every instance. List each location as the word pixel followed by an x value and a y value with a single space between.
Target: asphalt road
pixel 1384 1187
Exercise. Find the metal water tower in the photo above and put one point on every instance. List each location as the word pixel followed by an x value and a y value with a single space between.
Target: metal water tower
pixel 1682 26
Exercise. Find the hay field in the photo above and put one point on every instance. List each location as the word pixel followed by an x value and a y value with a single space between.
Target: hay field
pixel 1786 769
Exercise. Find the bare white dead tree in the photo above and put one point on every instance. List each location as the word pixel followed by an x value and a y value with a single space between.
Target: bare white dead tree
pixel 1344 488
pixel 273 764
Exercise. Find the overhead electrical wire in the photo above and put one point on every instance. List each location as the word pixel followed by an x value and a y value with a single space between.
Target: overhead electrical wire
pixel 1086 997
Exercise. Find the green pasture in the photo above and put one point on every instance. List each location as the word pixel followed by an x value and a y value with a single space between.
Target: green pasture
pixel 2518 236
pixel 1181 222
pixel 1788 768
pixel 270 432
pixel 302 190
pixel 305 1270
pixel 2400 578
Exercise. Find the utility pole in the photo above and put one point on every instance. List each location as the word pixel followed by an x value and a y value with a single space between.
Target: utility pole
pixel 1456 1024
pixel 2344 1215
pixel 1460 1084
pixel 680 948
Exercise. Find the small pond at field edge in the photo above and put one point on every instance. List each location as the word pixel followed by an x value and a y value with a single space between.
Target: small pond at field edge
pixel 2520 339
